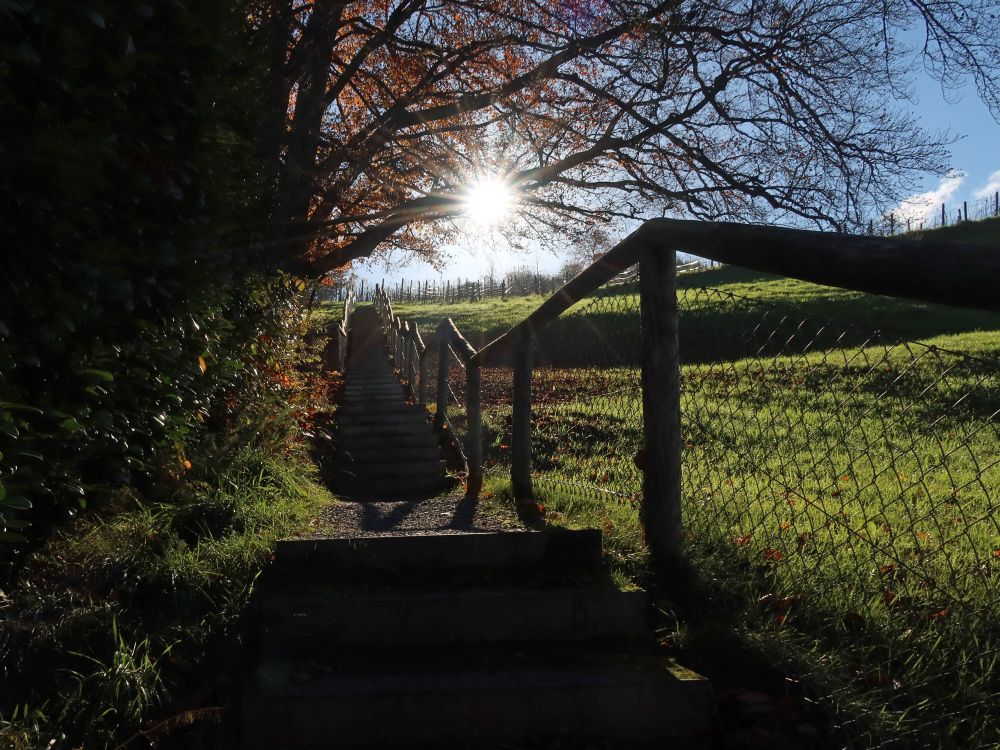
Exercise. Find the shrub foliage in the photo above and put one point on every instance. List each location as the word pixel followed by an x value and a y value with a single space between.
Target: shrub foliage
pixel 133 307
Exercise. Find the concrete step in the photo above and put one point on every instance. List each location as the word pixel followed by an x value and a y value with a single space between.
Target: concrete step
pixel 351 430
pixel 421 617
pixel 379 407
pixel 557 549
pixel 386 444
pixel 406 418
pixel 373 403
pixel 382 468
pixel 373 391
pixel 468 702
pixel 388 381
pixel 422 450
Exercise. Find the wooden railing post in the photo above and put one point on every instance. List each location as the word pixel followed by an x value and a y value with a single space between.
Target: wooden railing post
pixel 405 348
pixel 341 347
pixel 474 417
pixel 661 487
pixel 396 323
pixel 520 444
pixel 411 365
pixel 420 353
pixel 444 365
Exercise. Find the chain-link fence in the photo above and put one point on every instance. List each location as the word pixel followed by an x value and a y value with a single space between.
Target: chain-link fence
pixel 859 477
pixel 847 480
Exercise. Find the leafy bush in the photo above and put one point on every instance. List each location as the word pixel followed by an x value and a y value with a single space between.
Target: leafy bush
pixel 131 311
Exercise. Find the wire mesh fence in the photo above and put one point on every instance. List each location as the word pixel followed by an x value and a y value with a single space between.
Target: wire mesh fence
pixel 849 479
pixel 859 476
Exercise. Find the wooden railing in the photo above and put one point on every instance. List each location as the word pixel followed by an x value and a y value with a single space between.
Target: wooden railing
pixel 410 358
pixel 335 354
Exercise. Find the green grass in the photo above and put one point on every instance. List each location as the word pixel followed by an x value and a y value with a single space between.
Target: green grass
pixel 611 318
pixel 119 618
pixel 840 488
pixel 984 232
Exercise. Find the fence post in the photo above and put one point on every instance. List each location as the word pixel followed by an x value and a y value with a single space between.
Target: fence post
pixel 411 368
pixel 422 383
pixel 520 428
pixel 661 425
pixel 444 365
pixel 341 346
pixel 395 342
pixel 406 347
pixel 474 415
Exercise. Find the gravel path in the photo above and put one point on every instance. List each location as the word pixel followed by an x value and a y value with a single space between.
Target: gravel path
pixel 445 514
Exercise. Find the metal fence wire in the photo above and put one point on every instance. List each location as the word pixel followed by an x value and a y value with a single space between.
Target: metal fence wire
pixel 860 476
pixel 849 482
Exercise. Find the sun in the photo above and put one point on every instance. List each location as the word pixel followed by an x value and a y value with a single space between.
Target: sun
pixel 488 201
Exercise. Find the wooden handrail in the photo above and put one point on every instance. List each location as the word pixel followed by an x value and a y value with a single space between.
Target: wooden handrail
pixel 619 258
pixel 448 330
pixel 418 342
pixel 949 273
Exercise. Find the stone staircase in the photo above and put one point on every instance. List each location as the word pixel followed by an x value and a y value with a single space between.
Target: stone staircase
pixel 509 639
pixel 387 446
pixel 409 639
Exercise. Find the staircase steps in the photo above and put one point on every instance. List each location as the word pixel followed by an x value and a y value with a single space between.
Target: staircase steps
pixel 504 698
pixel 432 615
pixel 522 550
pixel 501 639
pixel 513 639
pixel 387 448
pixel 418 450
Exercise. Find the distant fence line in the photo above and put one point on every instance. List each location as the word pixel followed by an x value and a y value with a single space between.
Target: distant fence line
pixel 521 284
pixel 893 224
pixel 468 290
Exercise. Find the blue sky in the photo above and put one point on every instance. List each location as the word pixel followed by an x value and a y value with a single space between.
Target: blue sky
pixel 975 157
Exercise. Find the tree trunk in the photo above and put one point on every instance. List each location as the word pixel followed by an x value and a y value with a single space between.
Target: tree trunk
pixel 298 174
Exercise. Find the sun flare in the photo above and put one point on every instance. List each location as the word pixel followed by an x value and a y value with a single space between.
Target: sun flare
pixel 488 201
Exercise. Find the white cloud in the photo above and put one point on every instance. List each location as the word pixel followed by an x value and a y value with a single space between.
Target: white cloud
pixel 992 186
pixel 921 206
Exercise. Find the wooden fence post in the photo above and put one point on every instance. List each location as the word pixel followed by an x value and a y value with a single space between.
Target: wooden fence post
pixel 661 461
pixel 411 368
pixel 422 382
pixel 474 417
pixel 520 443
pixel 444 365
pixel 406 345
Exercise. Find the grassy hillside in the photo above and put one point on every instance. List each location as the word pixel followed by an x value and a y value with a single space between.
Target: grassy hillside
pixel 984 232
pixel 739 299
pixel 861 313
